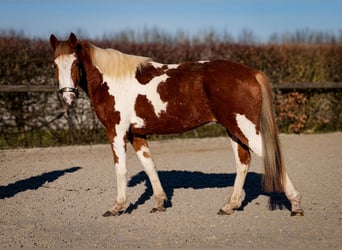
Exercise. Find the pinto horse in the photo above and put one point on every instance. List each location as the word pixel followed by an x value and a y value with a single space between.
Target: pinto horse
pixel 134 96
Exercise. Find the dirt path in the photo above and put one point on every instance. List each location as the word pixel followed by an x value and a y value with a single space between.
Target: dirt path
pixel 55 197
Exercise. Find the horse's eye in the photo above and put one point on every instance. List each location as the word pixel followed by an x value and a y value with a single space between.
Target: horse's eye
pixel 54 66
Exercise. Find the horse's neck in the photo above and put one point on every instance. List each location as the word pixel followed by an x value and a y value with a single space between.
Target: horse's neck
pixel 93 83
pixel 83 81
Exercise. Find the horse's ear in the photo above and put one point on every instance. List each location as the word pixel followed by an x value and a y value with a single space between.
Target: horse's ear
pixel 53 41
pixel 73 40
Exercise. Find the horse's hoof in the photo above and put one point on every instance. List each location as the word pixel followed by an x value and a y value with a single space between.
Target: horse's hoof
pixel 109 213
pixel 222 212
pixel 160 209
pixel 297 213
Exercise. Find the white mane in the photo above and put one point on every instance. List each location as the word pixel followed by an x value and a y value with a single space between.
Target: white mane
pixel 116 64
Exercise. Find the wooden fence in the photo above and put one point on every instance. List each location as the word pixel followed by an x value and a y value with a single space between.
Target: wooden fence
pixel 47 88
pixel 39 123
pixel 27 88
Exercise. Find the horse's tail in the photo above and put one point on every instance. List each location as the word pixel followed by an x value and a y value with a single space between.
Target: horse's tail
pixel 273 161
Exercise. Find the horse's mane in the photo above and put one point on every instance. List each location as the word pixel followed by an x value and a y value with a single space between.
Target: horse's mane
pixel 116 64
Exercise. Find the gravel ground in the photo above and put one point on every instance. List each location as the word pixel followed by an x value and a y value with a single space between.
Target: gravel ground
pixel 55 197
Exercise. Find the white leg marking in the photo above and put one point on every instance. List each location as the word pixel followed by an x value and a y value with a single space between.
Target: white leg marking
pixel 290 190
pixel 120 169
pixel 145 158
pixel 294 197
pixel 249 130
pixel 121 172
pixel 241 173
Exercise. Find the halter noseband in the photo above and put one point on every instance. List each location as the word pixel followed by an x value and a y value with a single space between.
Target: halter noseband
pixel 69 89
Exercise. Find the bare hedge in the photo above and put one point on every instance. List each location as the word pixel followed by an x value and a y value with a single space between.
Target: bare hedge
pixel 29 61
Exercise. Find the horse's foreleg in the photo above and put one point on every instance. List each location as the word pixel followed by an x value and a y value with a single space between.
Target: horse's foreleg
pixel 119 153
pixel 143 152
pixel 243 159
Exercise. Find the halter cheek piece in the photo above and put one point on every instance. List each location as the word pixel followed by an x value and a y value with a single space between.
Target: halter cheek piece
pixel 69 89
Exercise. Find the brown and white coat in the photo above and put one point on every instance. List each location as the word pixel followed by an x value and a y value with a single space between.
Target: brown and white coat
pixel 134 97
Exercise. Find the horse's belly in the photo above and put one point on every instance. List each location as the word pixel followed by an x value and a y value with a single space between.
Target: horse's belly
pixel 180 115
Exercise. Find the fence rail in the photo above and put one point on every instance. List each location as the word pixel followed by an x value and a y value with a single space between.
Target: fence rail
pixel 308 85
pixel 27 88
pixel 49 88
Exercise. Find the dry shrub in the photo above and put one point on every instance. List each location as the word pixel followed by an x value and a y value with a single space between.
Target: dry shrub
pixel 290 110
pixel 308 111
pixel 29 61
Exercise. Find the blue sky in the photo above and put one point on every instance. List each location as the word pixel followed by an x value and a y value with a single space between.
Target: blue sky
pixel 40 18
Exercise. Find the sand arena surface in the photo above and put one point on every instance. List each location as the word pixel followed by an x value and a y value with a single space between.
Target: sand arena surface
pixel 55 197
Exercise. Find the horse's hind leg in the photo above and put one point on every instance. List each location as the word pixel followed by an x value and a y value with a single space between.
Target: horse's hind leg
pixel 294 197
pixel 242 159
pixel 143 152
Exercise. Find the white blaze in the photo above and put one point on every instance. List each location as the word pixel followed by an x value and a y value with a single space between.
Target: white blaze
pixel 64 64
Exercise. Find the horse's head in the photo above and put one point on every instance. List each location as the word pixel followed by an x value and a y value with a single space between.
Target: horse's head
pixel 67 67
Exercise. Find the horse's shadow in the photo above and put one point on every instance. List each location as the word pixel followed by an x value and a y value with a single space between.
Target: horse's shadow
pixel 172 180
pixel 33 183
